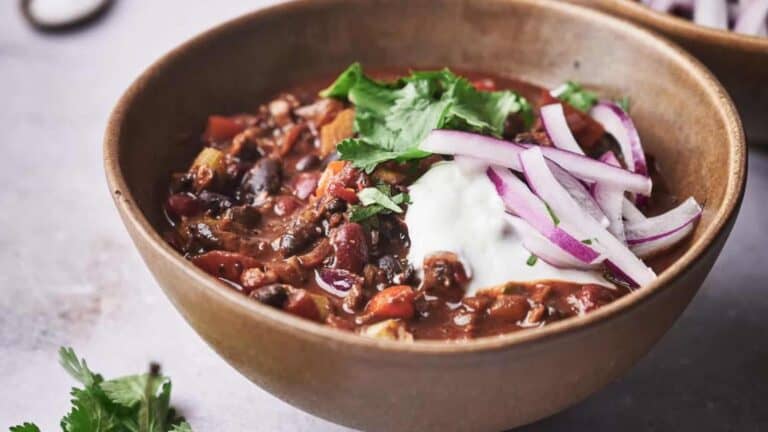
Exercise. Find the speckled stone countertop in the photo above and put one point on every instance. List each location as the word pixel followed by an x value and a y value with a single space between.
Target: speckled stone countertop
pixel 70 276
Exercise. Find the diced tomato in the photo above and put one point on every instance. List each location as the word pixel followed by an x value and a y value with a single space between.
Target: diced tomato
pixel 331 171
pixel 300 303
pixel 222 128
pixel 339 191
pixel 393 302
pixel 227 265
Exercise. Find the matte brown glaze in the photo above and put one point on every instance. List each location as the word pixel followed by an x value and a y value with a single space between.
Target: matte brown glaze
pixel 739 61
pixel 684 117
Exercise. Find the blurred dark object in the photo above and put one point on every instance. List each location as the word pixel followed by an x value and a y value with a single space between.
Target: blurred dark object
pixel 55 16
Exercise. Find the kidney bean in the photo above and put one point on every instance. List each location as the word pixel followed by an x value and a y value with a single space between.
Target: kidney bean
pixel 182 204
pixel 265 176
pixel 307 162
pixel 350 247
pixel 300 303
pixel 304 184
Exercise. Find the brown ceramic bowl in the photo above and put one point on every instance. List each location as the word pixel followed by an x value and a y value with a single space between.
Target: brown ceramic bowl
pixel 686 120
pixel 739 61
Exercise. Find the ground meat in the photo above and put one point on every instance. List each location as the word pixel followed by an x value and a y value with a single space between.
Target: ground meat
pixel 444 276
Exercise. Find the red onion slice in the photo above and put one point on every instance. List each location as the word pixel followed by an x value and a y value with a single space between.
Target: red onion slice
pixel 544 184
pixel 617 122
pixel 519 200
pixel 610 199
pixel 630 212
pixel 579 192
pixel 556 126
pixel 506 153
pixel 336 281
pixel 664 225
pixel 711 13
pixel 752 17
pixel 538 245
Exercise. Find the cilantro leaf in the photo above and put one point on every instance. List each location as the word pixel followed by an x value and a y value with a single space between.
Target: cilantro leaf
pixel 392 119
pixel 576 96
pixel 130 390
pixel 135 403
pixel 378 200
pixel 623 102
pixel 77 368
pixel 344 82
pixel 182 427
pixel 26 427
pixel 372 195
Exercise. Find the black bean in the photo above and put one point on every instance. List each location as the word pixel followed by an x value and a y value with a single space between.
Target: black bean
pixel 265 176
pixel 336 205
pixel 290 245
pixel 307 162
pixel 247 216
pixel 214 202
pixel 274 295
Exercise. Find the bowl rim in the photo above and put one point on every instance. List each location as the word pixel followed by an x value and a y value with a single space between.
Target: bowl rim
pixel 143 231
pixel 683 28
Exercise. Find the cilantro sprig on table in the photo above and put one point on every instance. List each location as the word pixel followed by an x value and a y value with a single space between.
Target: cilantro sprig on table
pixel 392 118
pixel 134 403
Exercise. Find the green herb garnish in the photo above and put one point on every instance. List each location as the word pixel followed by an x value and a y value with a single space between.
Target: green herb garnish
pixel 377 200
pixel 134 403
pixel 576 96
pixel 623 102
pixel 587 241
pixel 392 118
pixel 532 260
pixel 552 215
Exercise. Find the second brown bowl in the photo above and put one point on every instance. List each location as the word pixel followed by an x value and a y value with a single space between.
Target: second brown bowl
pixel 739 61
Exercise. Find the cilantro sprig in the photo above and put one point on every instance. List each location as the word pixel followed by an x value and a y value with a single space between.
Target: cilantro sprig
pixel 392 118
pixel 134 403
pixel 576 95
pixel 377 200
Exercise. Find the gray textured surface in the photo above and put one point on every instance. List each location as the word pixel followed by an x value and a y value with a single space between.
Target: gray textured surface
pixel 69 274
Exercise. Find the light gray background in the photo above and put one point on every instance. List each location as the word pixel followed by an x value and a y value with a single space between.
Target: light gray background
pixel 70 276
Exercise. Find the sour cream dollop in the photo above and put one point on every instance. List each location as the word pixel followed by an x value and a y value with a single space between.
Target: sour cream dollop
pixel 455 208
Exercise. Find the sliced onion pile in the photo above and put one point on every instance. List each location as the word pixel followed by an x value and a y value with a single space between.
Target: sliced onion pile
pixel 746 16
pixel 573 211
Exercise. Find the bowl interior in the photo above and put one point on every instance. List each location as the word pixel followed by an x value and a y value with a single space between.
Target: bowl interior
pixel 685 119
